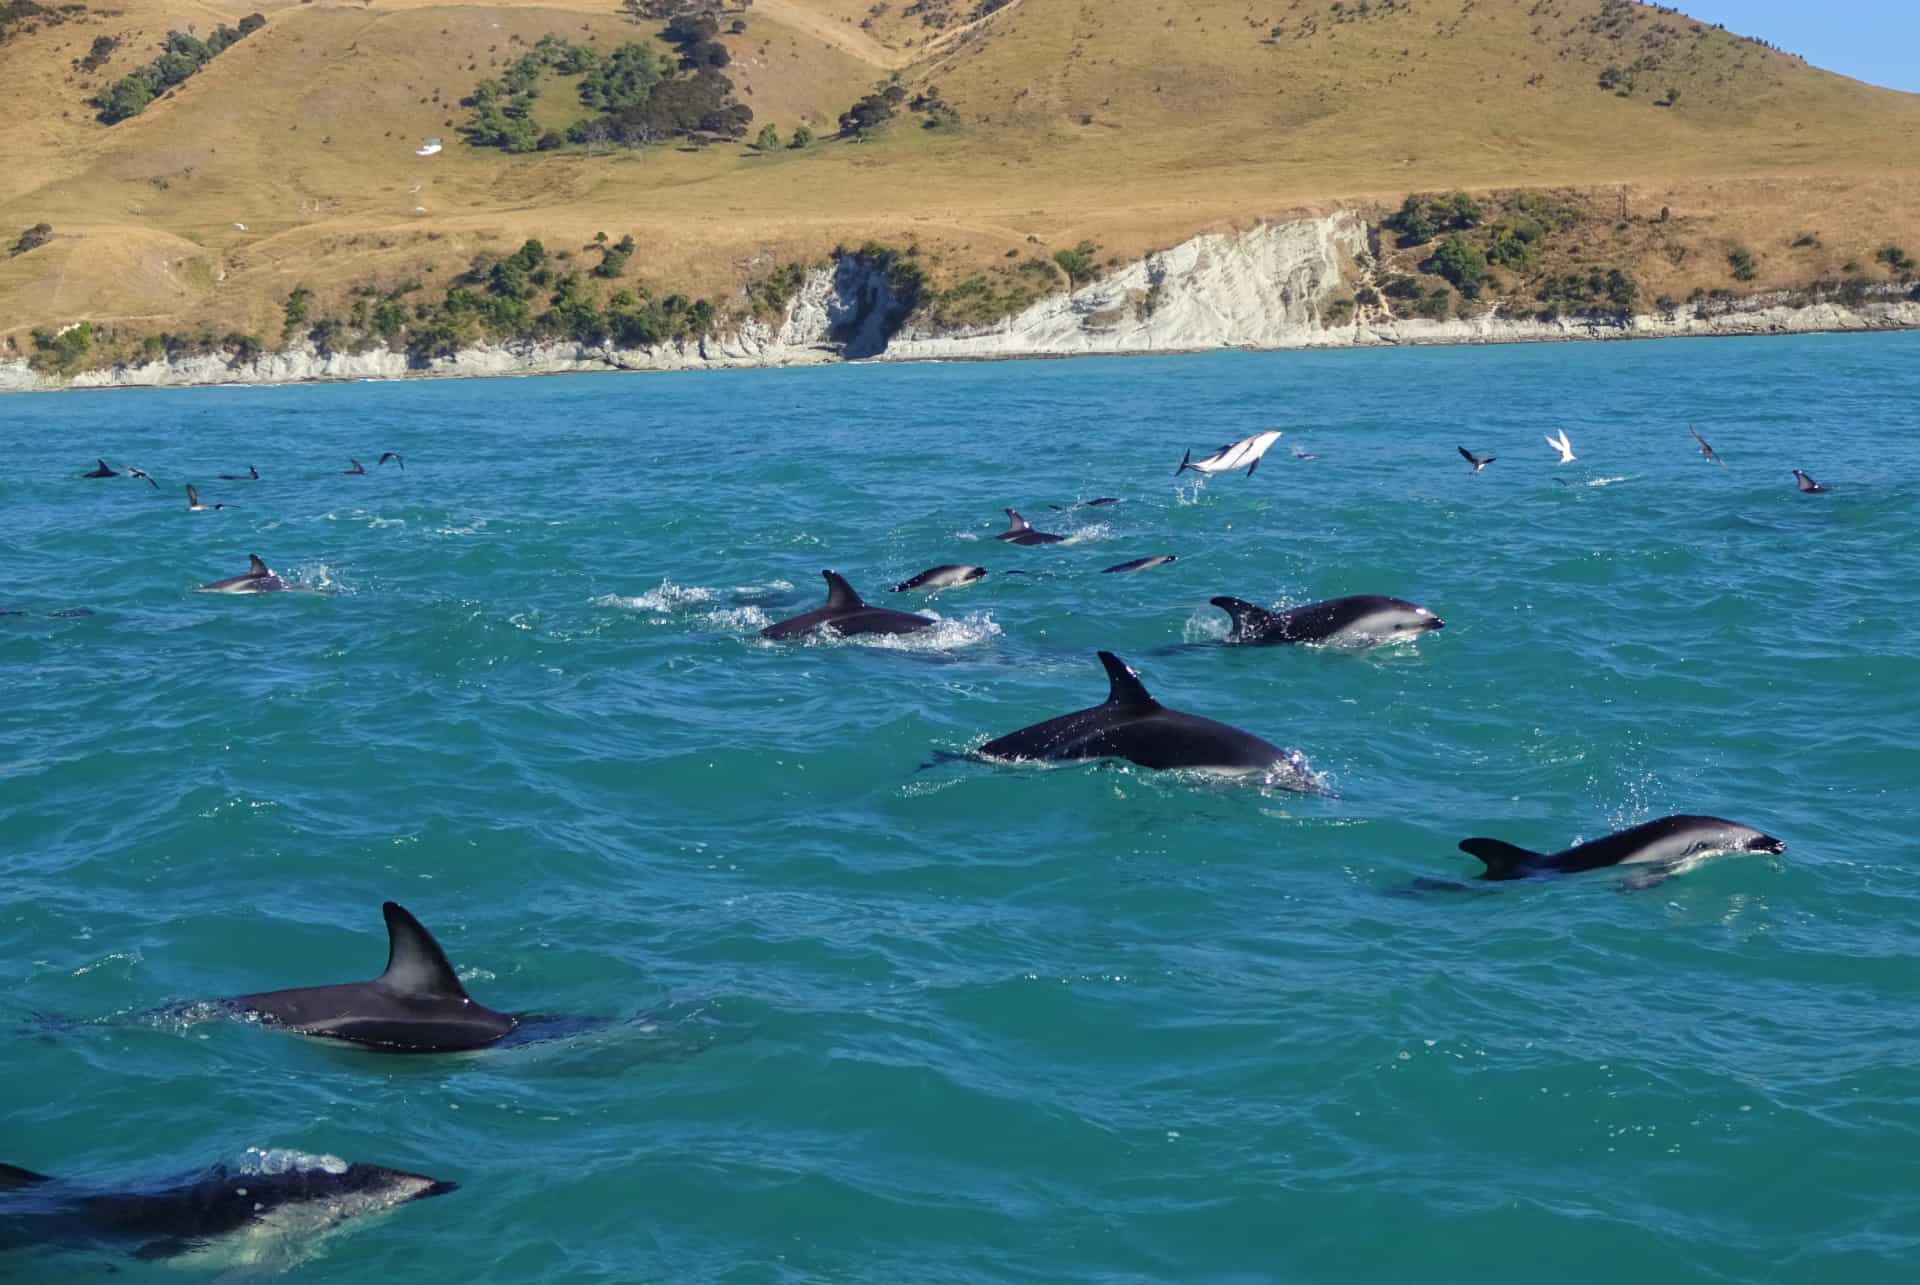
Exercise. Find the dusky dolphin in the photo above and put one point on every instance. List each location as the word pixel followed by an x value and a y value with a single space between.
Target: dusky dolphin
pixel 1562 445
pixel 225 1214
pixel 251 475
pixel 1807 484
pixel 948 575
pixel 357 470
pixel 1360 620
pixel 1667 846
pixel 1141 564
pixel 1020 531
pixel 1132 725
pixel 259 578
pixel 416 1006
pixel 105 470
pixel 1478 461
pixel 1085 504
pixel 845 612
pixel 1247 451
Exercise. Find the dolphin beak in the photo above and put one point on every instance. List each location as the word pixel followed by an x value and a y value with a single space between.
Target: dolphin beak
pixel 1770 845
pixel 440 1188
pixel 1436 623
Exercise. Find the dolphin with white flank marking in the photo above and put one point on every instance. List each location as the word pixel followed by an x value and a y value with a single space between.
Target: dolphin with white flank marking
pixel 1247 451
pixel 845 612
pixel 1666 847
pixel 228 1215
pixel 1141 564
pixel 1020 531
pixel 948 575
pixel 1564 446
pixel 1132 725
pixel 1362 620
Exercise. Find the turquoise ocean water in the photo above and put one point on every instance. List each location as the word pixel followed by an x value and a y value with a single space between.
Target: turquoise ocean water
pixel 967 1024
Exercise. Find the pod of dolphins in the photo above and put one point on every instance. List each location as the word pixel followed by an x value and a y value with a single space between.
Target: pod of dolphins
pixel 418 1005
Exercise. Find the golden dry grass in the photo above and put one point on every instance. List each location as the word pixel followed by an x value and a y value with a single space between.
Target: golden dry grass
pixel 1132 123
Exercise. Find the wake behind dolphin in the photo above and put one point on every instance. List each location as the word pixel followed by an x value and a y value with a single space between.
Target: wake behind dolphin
pixel 227 1214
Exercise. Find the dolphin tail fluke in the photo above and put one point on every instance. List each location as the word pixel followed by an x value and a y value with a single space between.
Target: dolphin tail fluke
pixel 14 1178
pixel 1126 688
pixel 193 496
pixel 415 963
pixel 1503 860
pixel 1248 620
pixel 840 593
pixel 1186 462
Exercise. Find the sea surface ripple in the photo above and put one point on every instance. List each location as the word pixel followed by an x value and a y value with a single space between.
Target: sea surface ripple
pixel 880 1022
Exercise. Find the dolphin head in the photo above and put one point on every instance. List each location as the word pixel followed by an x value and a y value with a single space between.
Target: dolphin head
pixel 1758 842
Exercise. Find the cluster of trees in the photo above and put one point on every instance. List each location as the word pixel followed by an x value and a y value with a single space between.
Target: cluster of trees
pixel 62 350
pixel 185 55
pixel 1898 261
pixel 32 239
pixel 641 97
pixel 1595 291
pixel 1423 216
pixel 1740 263
pixel 1462 263
pixel 96 57
pixel 872 111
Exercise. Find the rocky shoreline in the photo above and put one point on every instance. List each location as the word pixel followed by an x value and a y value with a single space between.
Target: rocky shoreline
pixel 1265 289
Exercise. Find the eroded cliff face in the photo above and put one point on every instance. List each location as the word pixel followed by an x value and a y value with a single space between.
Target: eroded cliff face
pixel 1269 287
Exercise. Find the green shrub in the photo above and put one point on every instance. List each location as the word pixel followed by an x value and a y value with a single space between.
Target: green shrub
pixel 32 239
pixel 1741 262
pixel 296 311
pixel 1078 263
pixel 769 140
pixel 1461 262
pixel 61 351
pixel 802 138
pixel 1422 217
pixel 1898 261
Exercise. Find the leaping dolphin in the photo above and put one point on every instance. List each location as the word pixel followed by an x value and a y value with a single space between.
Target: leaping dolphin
pixel 223 1212
pixel 1667 846
pixel 948 575
pixel 1134 726
pixel 1706 448
pixel 259 578
pixel 1806 484
pixel 1020 531
pixel 1562 445
pixel 845 612
pixel 1247 451
pixel 416 1006
pixel 1358 621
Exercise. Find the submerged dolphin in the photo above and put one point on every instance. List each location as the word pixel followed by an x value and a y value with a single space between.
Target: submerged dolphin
pixel 357 470
pixel 1247 451
pixel 1134 726
pixel 1360 620
pixel 1669 846
pixel 259 578
pixel 416 1006
pixel 1142 564
pixel 948 575
pixel 845 612
pixel 230 1208
pixel 1020 531
pixel 1807 484
pixel 105 470
pixel 251 475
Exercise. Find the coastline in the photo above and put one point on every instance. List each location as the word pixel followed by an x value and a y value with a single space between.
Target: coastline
pixel 1266 289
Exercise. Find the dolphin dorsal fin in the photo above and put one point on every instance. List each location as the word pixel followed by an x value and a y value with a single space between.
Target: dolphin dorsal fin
pixel 1127 690
pixel 13 1178
pixel 1016 523
pixel 256 568
pixel 840 594
pixel 1247 618
pixel 193 496
pixel 1504 860
pixel 415 963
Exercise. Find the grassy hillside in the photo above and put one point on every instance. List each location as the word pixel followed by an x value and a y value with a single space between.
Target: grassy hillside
pixel 289 159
